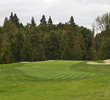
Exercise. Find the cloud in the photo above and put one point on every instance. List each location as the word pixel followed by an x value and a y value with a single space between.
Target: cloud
pixel 99 2
pixel 83 11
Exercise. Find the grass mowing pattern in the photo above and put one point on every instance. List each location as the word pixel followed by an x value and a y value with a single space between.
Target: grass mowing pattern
pixel 21 82
pixel 57 70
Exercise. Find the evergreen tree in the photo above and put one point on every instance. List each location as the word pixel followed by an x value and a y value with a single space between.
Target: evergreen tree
pixel 6 20
pixel 11 19
pixel 33 22
pixel 71 22
pixel 15 20
pixel 50 21
pixel 43 21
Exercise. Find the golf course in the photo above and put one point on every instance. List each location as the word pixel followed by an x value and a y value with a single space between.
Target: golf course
pixel 55 80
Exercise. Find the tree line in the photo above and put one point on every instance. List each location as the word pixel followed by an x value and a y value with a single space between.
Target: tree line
pixel 47 41
pixel 102 39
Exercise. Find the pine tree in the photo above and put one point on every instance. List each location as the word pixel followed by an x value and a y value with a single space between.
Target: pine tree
pixel 14 19
pixel 6 20
pixel 33 22
pixel 11 19
pixel 71 21
pixel 43 21
pixel 50 21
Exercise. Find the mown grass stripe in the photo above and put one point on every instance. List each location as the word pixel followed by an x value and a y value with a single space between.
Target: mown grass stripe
pixel 78 75
pixel 66 75
pixel 53 74
pixel 85 75
pixel 57 75
pixel 93 74
pixel 69 76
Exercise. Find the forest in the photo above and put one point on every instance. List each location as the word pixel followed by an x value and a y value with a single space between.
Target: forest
pixel 48 41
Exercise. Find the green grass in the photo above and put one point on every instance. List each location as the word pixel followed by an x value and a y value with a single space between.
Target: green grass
pixel 99 61
pixel 54 80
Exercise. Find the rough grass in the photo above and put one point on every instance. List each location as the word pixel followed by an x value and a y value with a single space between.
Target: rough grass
pixel 56 80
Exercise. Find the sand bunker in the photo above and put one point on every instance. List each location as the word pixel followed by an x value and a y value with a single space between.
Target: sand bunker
pixel 50 60
pixel 25 62
pixel 107 62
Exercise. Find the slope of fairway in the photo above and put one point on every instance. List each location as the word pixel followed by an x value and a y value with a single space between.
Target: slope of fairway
pixel 56 70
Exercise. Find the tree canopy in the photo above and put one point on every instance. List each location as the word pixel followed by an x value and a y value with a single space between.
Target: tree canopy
pixel 46 41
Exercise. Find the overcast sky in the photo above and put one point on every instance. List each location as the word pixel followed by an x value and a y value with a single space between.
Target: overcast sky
pixel 83 11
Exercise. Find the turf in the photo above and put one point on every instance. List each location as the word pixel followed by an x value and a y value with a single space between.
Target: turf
pixel 99 61
pixel 54 80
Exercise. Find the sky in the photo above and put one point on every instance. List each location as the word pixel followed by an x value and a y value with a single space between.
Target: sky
pixel 83 11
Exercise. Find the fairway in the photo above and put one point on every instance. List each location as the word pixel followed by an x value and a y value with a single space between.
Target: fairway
pixel 56 70
pixel 54 80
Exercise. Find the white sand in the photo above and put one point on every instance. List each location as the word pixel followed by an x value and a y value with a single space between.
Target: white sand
pixel 25 62
pixel 50 60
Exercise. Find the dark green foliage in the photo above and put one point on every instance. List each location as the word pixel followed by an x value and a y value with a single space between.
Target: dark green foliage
pixel 71 21
pixel 6 54
pixel 92 54
pixel 26 52
pixel 6 20
pixel 48 41
pixel 38 50
pixel 105 49
pixel 43 42
pixel 50 21
pixel 61 26
pixel 77 52
pixel 15 20
pixel 51 45
pixel 19 45
pixel 68 44
pixel 88 37
pixel 33 22
pixel 71 38
pixel 43 21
